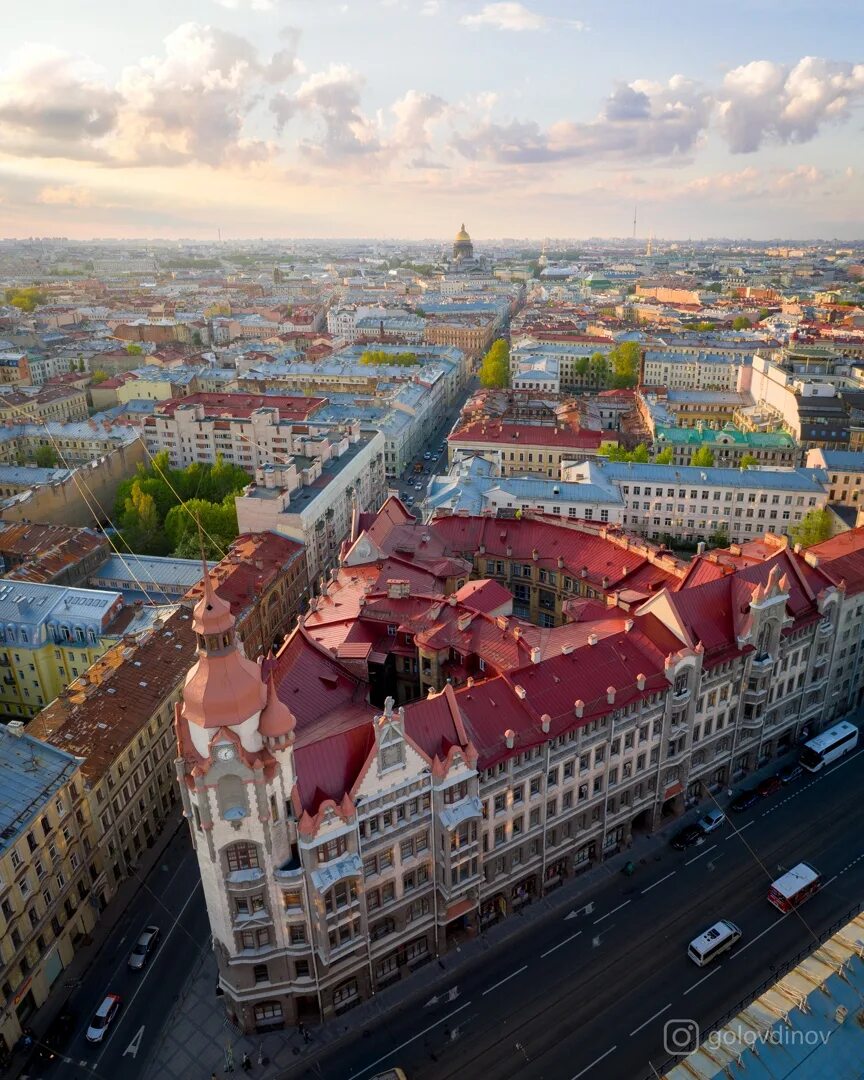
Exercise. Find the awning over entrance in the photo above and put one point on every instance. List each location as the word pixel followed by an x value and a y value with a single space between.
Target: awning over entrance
pixel 461 907
pixel 673 790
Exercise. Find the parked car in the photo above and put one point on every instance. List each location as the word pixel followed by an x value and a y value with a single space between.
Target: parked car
pixel 768 786
pixel 56 1038
pixel 790 772
pixel 711 820
pixel 418 487
pixel 744 800
pixel 103 1017
pixel 145 945
pixel 427 456
pixel 689 835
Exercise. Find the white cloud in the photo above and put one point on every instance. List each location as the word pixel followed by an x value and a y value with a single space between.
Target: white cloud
pixel 415 112
pixel 765 101
pixel 65 195
pixel 252 5
pixel 515 17
pixel 333 98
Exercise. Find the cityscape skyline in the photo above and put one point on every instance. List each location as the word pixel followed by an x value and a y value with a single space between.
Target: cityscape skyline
pixel 263 118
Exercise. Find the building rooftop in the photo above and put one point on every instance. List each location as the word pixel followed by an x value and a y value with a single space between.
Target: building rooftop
pixel 32 772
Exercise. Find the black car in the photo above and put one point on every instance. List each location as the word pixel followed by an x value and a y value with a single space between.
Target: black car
pixel 689 835
pixel 744 800
pixel 56 1038
pixel 790 773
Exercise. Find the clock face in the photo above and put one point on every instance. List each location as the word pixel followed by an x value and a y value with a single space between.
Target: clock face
pixel 225 753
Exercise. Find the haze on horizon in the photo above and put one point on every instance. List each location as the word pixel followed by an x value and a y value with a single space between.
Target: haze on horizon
pixel 401 118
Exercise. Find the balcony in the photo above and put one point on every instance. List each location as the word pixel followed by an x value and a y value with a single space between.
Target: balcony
pixel 762 664
pixel 681 697
pixel 290 870
pixel 825 627
pixel 244 880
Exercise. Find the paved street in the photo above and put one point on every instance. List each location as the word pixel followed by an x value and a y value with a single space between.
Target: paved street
pixel 588 995
pixel 171 898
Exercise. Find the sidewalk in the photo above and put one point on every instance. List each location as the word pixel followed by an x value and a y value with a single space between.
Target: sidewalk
pixel 108 922
pixel 197 1039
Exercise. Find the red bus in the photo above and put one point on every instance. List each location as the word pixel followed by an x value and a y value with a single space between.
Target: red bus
pixel 796 886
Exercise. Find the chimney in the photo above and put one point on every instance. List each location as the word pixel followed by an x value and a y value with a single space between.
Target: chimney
pixel 560 562
pixel 592 639
pixel 568 648
pixel 640 681
pixel 605 581
pixel 628 625
pixel 535 655
pixel 535 554
pixel 482 549
pixel 583 572
pixel 520 692
pixel 451 600
pixel 16 728
pixel 700 548
pixel 510 738
pixel 610 694
pixel 509 551
pixel 545 723
pixel 469 682
pixel 579 707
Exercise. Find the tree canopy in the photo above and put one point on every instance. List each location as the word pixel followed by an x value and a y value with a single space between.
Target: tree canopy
pixel 813 528
pixel 748 462
pixel 381 356
pixel 740 322
pixel 703 457
pixel 623 363
pixel 45 457
pixel 134 349
pixel 152 521
pixel 26 299
pixel 495 368
pixel 664 457
pixel 620 453
pixel 98 376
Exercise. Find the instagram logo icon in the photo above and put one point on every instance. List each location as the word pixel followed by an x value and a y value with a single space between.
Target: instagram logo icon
pixel 680 1037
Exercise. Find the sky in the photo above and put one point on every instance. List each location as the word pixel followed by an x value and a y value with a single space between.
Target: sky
pixel 404 118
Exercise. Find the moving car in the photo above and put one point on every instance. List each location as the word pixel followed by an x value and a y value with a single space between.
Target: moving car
pixel 418 487
pixel 56 1038
pixel 102 1018
pixel 716 940
pixel 689 835
pixel 711 820
pixel 768 786
pixel 145 944
pixel 744 800
pixel 790 772
pixel 427 456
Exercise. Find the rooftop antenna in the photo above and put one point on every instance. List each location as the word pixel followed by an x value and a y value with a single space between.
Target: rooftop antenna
pixel 635 208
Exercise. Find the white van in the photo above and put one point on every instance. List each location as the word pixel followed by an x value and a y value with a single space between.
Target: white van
pixel 716 939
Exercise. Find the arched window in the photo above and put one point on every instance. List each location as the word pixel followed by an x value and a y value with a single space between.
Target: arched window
pixel 242 856
pixel 231 798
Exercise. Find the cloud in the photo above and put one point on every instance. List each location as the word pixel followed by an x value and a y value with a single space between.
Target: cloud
pixel 53 104
pixel 639 120
pixel 767 102
pixel 332 97
pixel 252 5
pixel 65 195
pixel 415 112
pixel 514 17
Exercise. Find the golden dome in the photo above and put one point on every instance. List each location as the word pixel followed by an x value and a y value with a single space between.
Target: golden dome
pixel 462 237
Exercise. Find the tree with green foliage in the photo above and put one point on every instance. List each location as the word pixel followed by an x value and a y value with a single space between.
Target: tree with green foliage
pixel 134 349
pixel 218 527
pixel 703 327
pixel 163 488
pixel 813 528
pixel 27 299
pixel 45 457
pixel 715 286
pixel 664 457
pixel 703 458
pixel 495 368
pixel 718 539
pixel 381 356
pixel 764 313
pixel 613 452
pixel 98 376
pixel 623 362
pixel 748 462
pixel 583 364
pixel 740 322
pixel 81 365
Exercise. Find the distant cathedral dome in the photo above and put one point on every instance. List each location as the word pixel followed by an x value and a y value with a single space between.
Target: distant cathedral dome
pixel 462 246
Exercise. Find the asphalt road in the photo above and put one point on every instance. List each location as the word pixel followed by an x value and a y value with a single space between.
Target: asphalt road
pixel 587 995
pixel 172 899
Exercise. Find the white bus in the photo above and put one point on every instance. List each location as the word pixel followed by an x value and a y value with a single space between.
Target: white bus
pixel 716 939
pixel 794 887
pixel 830 745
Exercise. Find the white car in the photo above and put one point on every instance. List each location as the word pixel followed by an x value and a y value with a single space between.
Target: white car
pixel 418 487
pixel 712 820
pixel 102 1018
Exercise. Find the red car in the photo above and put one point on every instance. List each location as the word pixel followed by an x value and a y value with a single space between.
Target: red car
pixel 769 786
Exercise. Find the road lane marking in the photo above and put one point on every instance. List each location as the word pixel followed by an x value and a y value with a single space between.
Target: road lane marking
pixel 636 1031
pixel 660 882
pixel 506 978
pixel 701 853
pixel 753 941
pixel 150 967
pixel 828 882
pixel 842 763
pixel 408 1042
pixel 708 976
pixel 560 943
pixel 596 1061
pixel 135 1045
pixel 612 912
pixel 735 831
